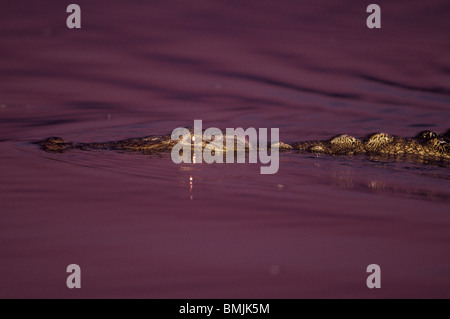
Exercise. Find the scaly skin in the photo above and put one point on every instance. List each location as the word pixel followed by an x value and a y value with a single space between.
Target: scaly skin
pixel 427 146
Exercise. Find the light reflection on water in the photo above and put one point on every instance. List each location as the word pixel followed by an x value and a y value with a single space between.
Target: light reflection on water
pixel 191 186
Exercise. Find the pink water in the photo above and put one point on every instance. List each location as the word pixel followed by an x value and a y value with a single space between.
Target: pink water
pixel 142 226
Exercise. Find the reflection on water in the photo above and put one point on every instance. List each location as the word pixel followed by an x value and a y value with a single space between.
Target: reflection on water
pixel 191 186
pixel 132 222
pixel 347 178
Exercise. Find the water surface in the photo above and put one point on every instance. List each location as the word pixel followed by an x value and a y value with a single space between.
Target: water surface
pixel 142 226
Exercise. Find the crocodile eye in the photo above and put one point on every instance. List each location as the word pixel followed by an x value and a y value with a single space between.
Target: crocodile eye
pixel 427 135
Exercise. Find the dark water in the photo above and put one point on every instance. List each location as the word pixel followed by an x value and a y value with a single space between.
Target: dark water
pixel 142 226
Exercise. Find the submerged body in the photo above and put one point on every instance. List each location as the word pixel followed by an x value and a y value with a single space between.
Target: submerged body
pixel 427 146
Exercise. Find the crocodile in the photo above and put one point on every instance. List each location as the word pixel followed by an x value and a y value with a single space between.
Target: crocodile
pixel 426 147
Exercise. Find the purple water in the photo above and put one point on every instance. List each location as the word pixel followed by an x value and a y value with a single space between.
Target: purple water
pixel 142 226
